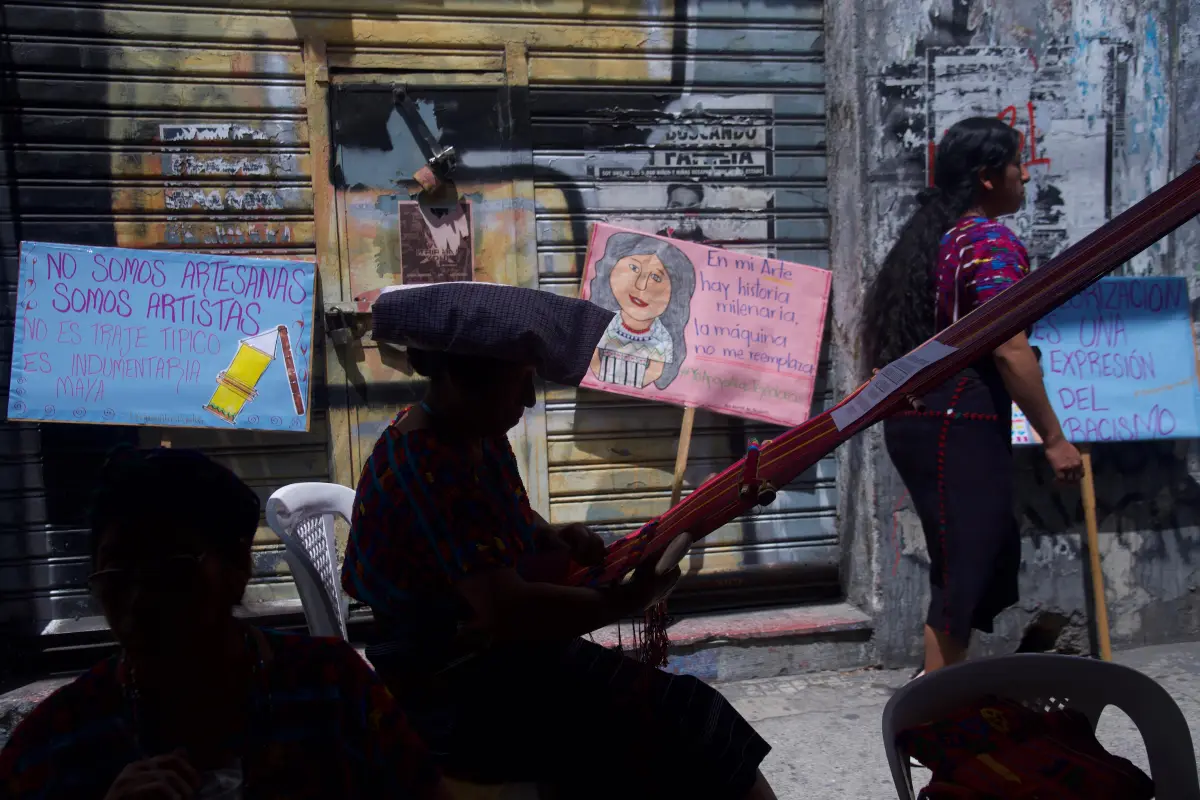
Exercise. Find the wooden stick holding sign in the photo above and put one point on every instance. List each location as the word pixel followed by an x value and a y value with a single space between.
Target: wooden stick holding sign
pixel 1119 364
pixel 675 552
pixel 681 455
pixel 1099 607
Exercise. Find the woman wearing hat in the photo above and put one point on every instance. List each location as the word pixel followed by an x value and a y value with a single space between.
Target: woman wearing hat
pixel 480 647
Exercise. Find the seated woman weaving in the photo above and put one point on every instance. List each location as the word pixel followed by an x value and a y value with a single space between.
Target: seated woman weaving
pixel 447 551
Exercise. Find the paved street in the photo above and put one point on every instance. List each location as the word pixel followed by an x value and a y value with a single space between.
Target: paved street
pixel 825 728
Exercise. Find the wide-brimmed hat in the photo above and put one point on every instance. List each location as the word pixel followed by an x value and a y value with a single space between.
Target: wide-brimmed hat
pixel 556 334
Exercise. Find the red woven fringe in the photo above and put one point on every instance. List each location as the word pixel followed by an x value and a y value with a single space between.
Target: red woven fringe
pixel 648 637
pixel 652 649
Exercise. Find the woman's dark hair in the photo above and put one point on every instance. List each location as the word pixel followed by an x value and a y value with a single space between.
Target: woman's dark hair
pixel 138 486
pixel 899 311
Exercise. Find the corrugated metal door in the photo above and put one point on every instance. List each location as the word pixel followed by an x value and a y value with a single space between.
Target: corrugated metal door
pixel 728 147
pixel 135 128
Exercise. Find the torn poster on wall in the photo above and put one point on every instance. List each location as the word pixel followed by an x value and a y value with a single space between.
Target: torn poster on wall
pixel 1067 135
pixel 1068 108
pixel 692 145
pixel 737 147
pixel 435 243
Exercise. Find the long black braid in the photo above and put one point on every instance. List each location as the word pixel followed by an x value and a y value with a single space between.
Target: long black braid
pixel 899 311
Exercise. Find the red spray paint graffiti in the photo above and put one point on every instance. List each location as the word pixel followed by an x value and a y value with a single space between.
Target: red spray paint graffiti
pixel 1028 139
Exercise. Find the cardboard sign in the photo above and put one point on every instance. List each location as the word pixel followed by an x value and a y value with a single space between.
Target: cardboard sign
pixel 1119 363
pixel 702 327
pixel 138 337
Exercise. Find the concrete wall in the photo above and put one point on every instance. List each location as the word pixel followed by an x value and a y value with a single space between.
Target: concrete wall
pixel 1107 96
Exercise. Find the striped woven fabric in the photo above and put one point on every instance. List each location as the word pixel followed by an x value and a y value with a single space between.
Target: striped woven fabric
pixel 720 499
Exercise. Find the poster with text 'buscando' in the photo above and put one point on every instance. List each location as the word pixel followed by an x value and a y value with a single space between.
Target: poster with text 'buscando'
pixel 704 327
pixel 137 337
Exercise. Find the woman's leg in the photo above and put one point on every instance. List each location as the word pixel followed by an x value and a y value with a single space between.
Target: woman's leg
pixel 942 650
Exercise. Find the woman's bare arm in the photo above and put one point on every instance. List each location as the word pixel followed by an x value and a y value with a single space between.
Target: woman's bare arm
pixel 1022 377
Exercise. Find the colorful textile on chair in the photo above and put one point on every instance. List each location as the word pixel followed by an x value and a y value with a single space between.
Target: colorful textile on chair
pixel 997 749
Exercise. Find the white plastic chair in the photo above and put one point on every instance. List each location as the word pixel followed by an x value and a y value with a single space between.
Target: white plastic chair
pixel 301 515
pixel 1046 682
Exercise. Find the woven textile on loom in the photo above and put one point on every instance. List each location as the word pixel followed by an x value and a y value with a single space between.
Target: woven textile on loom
pixel 736 490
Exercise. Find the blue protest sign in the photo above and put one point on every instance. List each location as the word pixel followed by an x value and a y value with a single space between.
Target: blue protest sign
pixel 1119 363
pixel 138 337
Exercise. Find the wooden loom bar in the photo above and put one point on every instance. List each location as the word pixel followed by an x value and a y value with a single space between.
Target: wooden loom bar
pixel 720 499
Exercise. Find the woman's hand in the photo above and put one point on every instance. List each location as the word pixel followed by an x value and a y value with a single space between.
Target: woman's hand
pixel 585 545
pixel 168 777
pixel 1065 460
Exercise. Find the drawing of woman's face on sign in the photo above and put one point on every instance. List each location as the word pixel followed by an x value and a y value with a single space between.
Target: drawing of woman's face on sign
pixel 642 288
pixel 649 283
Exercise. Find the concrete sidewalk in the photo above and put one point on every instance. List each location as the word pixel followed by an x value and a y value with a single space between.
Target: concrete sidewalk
pixel 825 727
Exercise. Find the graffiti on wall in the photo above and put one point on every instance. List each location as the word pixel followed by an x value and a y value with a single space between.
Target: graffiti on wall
pixel 1068 112
pixel 1068 135
pixel 1084 86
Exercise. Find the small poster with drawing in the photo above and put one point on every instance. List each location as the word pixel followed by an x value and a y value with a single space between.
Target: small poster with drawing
pixel 435 243
pixel 707 328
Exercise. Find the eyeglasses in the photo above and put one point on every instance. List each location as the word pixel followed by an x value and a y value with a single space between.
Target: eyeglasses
pixel 169 574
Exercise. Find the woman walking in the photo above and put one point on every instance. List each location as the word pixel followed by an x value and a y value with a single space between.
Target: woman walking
pixel 953 448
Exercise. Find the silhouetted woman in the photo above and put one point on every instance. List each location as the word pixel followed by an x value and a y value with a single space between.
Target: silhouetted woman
pixel 478 637
pixel 198 703
pixel 953 448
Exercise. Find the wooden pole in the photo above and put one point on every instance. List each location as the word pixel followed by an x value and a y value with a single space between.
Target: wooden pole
pixel 681 455
pixel 1099 608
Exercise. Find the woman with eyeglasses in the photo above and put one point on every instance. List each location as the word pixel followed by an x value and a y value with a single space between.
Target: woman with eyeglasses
pixel 198 704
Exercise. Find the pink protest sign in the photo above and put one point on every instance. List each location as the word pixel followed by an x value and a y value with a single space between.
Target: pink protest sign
pixel 698 326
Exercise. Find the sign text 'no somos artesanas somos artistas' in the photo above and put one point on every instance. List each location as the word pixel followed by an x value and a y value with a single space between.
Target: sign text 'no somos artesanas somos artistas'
pixel 703 327
pixel 138 337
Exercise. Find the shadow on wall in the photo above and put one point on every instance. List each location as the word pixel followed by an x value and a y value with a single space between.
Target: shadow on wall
pixel 1144 487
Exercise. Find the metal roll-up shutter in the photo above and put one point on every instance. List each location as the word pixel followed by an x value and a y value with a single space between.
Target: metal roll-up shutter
pixel 136 128
pixel 727 144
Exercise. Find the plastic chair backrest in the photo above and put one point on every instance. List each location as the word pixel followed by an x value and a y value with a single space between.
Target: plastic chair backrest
pixel 1046 682
pixel 301 515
